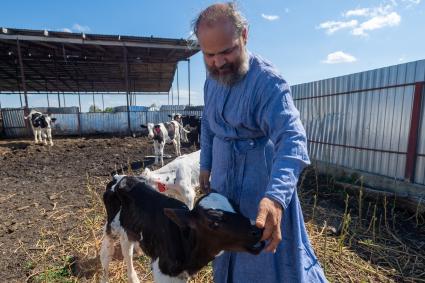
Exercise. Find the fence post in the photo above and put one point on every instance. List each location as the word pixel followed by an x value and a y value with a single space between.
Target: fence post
pixel 79 123
pixel 409 173
pixel 127 87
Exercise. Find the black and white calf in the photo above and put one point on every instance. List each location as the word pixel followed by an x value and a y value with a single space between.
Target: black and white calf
pixel 164 133
pixel 179 241
pixel 179 178
pixel 41 125
pixel 192 124
pixel 183 133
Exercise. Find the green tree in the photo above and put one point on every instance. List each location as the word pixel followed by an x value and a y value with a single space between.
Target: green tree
pixel 94 108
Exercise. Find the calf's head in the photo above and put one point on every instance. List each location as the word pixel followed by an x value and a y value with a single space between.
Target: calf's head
pixel 149 127
pixel 219 226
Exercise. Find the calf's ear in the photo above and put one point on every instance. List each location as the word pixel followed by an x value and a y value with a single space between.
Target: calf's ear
pixel 181 217
pixel 144 126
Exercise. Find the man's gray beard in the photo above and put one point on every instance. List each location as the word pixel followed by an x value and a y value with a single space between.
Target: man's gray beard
pixel 233 78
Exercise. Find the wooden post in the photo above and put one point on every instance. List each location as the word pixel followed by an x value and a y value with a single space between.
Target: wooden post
pixel 79 110
pixel 103 103
pixel 127 86
pixel 178 89
pixel 59 100
pixel 21 65
pixel 188 76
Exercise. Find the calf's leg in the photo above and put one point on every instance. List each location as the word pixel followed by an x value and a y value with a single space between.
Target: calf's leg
pixel 127 249
pixel 156 150
pixel 161 152
pixel 106 253
pixel 49 136
pixel 37 135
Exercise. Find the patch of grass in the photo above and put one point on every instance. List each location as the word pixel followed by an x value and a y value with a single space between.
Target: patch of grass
pixel 29 265
pixel 58 274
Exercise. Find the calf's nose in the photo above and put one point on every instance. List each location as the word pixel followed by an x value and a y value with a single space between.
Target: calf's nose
pixel 257 232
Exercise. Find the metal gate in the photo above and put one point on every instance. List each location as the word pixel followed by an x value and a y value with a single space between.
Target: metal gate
pixel 14 124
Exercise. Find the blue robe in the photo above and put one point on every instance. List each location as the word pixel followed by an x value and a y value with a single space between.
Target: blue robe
pixel 254 144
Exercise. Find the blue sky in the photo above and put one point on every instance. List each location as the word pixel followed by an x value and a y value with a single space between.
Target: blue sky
pixel 305 40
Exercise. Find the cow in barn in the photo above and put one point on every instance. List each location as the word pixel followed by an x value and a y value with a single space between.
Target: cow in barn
pixel 179 241
pixel 179 178
pixel 164 133
pixel 41 125
pixel 192 123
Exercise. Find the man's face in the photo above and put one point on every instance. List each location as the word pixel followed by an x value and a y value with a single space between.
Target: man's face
pixel 224 54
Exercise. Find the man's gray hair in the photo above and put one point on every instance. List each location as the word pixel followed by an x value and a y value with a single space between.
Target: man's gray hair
pixel 216 13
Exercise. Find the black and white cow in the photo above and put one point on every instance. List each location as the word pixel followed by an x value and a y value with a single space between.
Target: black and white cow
pixel 41 125
pixel 164 133
pixel 192 124
pixel 179 241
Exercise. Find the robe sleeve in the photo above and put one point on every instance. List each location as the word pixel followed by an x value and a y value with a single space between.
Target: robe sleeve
pixel 279 120
pixel 207 137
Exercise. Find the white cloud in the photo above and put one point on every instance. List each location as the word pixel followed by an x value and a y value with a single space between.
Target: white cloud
pixel 357 12
pixel 410 3
pixel 339 57
pixel 378 17
pixel 333 26
pixel 66 30
pixel 402 58
pixel 80 28
pixel 270 17
pixel 378 22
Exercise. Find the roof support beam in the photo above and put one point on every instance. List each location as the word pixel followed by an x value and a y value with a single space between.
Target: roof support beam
pixel 188 76
pixel 21 66
pixel 127 85
pixel 92 42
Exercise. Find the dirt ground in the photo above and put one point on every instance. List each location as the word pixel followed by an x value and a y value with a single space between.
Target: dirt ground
pixel 41 184
pixel 52 215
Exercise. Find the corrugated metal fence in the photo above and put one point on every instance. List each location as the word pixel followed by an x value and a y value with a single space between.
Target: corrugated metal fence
pixel 14 124
pixel 371 121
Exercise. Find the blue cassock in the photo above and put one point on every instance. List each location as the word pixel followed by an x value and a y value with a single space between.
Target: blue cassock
pixel 254 144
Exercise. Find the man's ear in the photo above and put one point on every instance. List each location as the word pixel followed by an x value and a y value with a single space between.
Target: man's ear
pixel 245 35
pixel 181 217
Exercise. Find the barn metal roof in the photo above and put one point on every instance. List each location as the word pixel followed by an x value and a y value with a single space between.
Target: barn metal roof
pixel 45 61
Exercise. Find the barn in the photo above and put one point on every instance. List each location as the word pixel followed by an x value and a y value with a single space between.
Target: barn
pixel 366 138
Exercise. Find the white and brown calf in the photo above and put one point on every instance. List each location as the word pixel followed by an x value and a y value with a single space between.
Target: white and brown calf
pixel 178 179
pixel 41 125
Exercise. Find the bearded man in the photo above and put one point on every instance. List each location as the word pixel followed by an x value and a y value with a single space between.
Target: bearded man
pixel 253 149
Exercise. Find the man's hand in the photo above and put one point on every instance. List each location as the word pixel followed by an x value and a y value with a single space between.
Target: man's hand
pixel 204 181
pixel 269 217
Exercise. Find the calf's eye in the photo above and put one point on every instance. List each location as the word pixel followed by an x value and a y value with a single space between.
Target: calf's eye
pixel 214 225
